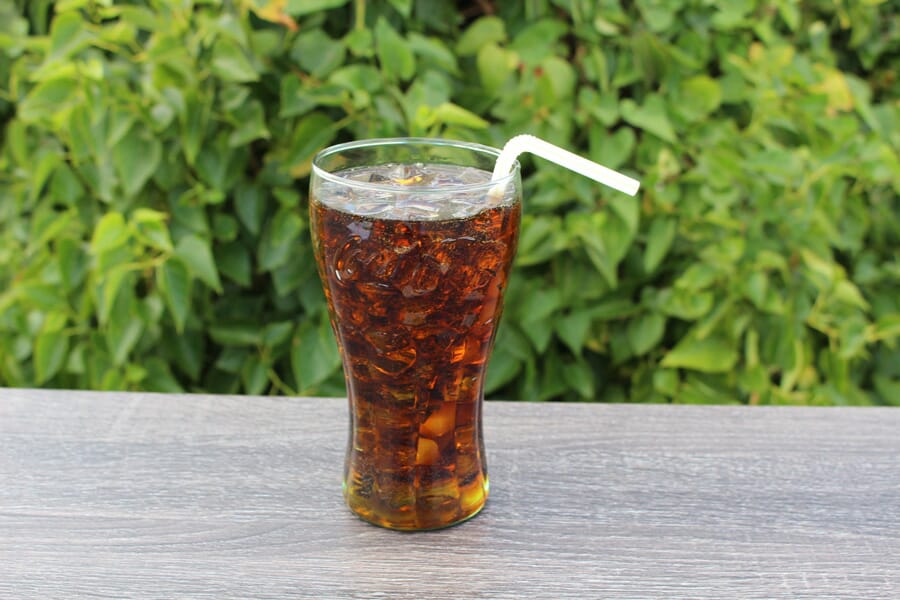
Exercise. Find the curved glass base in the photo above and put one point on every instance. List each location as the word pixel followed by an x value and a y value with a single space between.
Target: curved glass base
pixel 420 516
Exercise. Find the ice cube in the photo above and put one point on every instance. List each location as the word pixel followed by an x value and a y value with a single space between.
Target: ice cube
pixel 418 209
pixel 406 174
pixel 368 203
pixel 470 175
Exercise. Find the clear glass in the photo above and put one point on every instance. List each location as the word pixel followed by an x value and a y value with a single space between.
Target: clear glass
pixel 414 246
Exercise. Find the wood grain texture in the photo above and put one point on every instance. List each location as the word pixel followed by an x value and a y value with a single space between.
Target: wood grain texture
pixel 164 496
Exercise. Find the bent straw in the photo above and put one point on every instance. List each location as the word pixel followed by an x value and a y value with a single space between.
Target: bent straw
pixel 529 143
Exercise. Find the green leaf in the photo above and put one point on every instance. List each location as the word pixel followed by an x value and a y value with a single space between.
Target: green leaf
pixel 50 351
pixel 231 63
pixel 540 238
pixel 236 334
pixel 360 42
pixel 47 226
pixel 314 355
pixel 174 282
pixel 540 304
pixel 404 7
pixel 73 262
pixel 232 359
pixel 536 41
pixel 250 205
pixel 756 286
pixel 628 210
pixel 299 8
pixel 790 13
pixel 658 14
pixel 434 52
pixel 665 381
pixel 503 367
pixel 356 77
pixel 573 329
pixel 277 333
pixel 603 262
pixel 148 215
pixel 486 30
pixel 194 125
pixel 561 76
pixel 614 308
pixel 113 281
pixel 823 270
pixel 887 327
pixel 580 377
pixel 645 331
pixel 651 58
pixel 251 125
pixel 187 352
pixel 606 237
pixel 255 375
pixel 611 150
pixel 712 354
pixel 312 133
pixel 495 65
pixel 234 262
pixel 119 123
pixel 294 99
pixel 225 227
pixel 698 276
pixel 685 304
pixel 699 389
pixel 197 256
pixel 279 239
pixel 151 228
pixel 47 99
pixel 651 117
pixel 888 389
pixel 539 332
pixel 136 158
pixel 317 53
pixel 110 233
pixel 394 54
pixel 451 114
pixel 17 141
pixel 41 172
pixel 659 240
pixel 852 337
pixel 699 96
pixel 68 35
pixel 219 167
pixel 603 107
pixel 848 292
pixel 160 378
pixel 122 333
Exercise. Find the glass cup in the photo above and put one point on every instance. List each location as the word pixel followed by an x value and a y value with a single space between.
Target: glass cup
pixel 414 246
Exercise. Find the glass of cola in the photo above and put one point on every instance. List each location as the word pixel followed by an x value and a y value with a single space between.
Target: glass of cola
pixel 414 245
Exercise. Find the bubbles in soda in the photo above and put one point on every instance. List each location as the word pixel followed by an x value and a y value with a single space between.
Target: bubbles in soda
pixel 415 285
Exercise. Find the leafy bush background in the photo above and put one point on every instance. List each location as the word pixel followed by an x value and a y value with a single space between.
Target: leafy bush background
pixel 153 232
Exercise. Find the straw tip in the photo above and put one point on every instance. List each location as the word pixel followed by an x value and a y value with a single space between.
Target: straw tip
pixel 632 187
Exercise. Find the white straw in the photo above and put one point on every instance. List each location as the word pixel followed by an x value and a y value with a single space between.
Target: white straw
pixel 564 158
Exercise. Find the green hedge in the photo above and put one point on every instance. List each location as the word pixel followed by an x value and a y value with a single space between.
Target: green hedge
pixel 155 154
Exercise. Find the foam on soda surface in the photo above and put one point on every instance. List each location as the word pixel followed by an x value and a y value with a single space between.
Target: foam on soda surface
pixel 404 200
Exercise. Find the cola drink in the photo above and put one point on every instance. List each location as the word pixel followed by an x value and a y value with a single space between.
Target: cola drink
pixel 414 281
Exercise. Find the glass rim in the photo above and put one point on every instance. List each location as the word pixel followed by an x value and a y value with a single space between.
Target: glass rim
pixel 322 173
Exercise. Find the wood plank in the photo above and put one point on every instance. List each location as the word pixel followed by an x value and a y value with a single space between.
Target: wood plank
pixel 160 496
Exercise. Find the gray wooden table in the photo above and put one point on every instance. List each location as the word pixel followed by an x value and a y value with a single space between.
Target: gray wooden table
pixel 163 496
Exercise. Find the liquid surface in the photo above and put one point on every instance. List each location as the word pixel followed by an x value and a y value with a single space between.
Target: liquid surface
pixel 415 305
pixel 405 200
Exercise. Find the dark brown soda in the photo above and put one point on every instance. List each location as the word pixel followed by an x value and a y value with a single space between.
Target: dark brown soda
pixel 415 306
